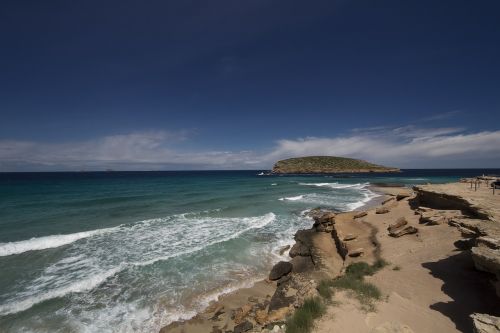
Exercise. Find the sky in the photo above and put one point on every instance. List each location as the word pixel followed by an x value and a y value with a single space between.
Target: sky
pixel 174 85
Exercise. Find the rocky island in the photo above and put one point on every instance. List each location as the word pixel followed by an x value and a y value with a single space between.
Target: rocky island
pixel 327 164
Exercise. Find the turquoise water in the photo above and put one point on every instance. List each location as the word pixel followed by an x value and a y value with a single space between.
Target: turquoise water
pixel 131 252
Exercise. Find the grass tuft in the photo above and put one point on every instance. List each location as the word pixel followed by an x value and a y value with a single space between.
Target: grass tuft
pixel 325 289
pixel 302 320
pixel 353 280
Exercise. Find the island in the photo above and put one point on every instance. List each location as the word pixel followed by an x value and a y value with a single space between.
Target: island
pixel 327 164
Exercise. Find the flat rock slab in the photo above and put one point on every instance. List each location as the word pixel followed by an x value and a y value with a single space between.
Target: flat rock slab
pixel 404 231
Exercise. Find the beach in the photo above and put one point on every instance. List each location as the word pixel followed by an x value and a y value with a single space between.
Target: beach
pixel 431 282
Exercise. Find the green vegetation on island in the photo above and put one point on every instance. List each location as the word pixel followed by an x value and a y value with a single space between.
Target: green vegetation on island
pixel 327 164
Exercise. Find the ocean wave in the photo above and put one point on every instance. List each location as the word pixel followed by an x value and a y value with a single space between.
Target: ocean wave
pixel 298 197
pixel 336 185
pixel 47 242
pixel 79 286
pixel 367 197
pixel 261 222
pixel 88 265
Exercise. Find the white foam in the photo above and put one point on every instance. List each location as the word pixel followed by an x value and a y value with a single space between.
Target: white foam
pixel 336 185
pixel 368 196
pixel 298 197
pixel 261 222
pixel 79 286
pixel 89 264
pixel 274 184
pixel 46 242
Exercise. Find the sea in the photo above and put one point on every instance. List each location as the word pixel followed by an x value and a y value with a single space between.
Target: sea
pixel 133 251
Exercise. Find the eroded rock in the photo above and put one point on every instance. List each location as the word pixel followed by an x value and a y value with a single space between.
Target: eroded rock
pixel 280 269
pixel 400 222
pixel 382 210
pixel 404 231
pixel 483 323
pixel 299 249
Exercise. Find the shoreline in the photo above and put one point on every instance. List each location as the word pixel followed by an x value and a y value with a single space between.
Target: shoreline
pixel 236 296
pixel 428 239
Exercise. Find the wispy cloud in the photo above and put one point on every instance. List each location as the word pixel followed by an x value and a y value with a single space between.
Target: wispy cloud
pixel 404 146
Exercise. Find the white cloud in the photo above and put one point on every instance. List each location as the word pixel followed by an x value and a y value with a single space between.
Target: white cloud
pixel 406 147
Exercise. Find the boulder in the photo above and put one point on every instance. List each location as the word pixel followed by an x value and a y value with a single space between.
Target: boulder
pixel 243 327
pixel 400 222
pixel 483 323
pixel 404 231
pixel 382 210
pixel 280 269
pixel 360 214
pixel 356 253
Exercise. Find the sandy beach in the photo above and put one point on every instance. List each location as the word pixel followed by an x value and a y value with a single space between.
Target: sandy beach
pixel 440 268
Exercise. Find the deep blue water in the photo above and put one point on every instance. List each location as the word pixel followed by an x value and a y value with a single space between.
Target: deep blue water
pixel 131 251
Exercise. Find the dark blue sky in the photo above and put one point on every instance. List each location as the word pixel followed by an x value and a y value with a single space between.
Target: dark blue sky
pixel 239 75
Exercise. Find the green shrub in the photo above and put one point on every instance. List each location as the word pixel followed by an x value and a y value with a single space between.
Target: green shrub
pixel 324 289
pixel 303 318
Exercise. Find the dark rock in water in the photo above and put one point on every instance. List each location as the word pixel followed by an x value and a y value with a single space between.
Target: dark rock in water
pixel 284 249
pixel 299 249
pixel 280 269
pixel 243 327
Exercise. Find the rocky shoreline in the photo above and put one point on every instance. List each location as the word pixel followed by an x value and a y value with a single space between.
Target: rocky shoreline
pixel 339 239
